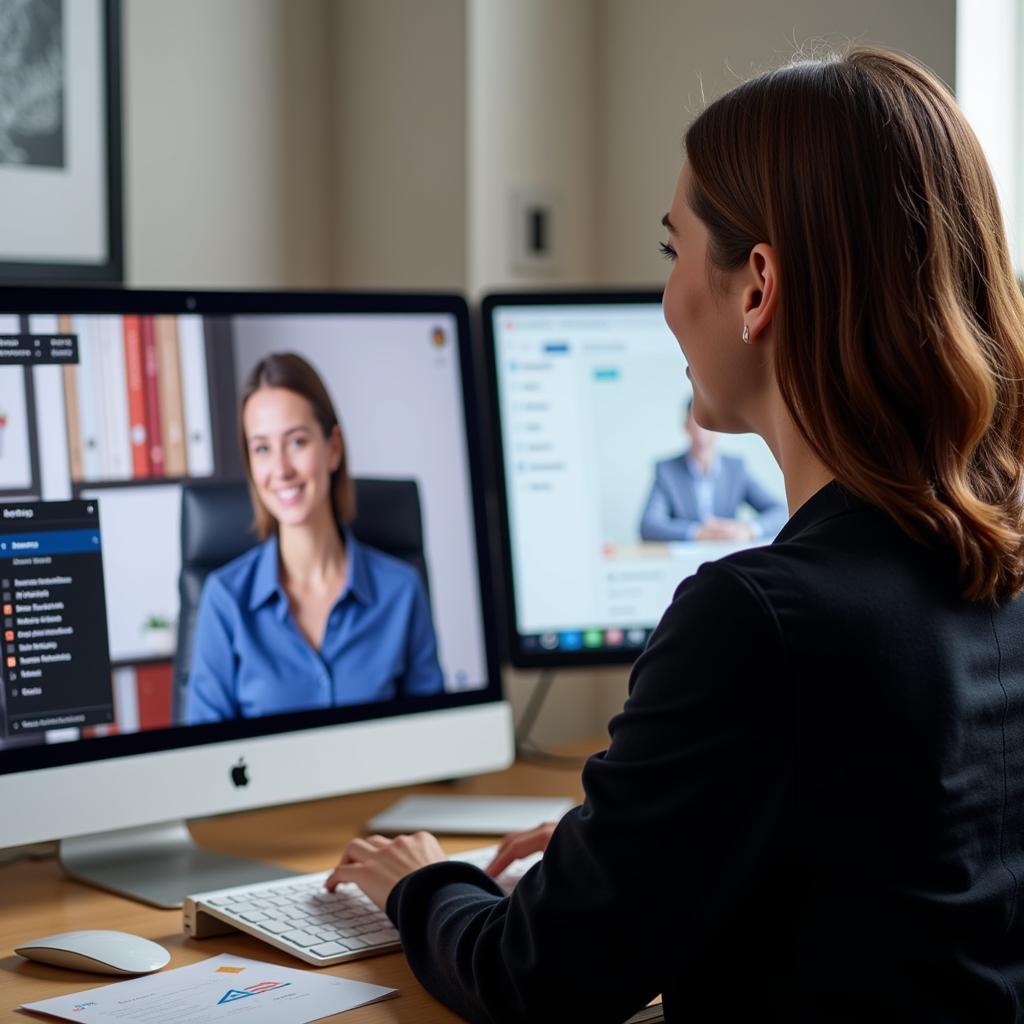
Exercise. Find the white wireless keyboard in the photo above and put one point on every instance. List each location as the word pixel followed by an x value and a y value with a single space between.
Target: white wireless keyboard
pixel 298 915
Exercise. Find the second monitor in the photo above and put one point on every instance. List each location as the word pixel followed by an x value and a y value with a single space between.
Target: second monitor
pixel 612 493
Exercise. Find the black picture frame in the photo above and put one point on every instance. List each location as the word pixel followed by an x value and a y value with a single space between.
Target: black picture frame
pixel 109 268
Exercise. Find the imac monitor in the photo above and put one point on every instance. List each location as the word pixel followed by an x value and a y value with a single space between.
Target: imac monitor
pixel 111 403
pixel 611 493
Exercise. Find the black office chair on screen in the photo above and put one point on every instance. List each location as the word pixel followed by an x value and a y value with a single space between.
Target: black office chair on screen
pixel 215 528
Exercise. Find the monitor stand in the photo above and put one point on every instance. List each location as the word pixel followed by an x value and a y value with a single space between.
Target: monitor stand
pixel 158 864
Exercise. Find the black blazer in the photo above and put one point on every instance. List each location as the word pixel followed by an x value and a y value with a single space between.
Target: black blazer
pixel 811 809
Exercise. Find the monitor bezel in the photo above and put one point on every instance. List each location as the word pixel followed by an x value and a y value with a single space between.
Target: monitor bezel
pixel 510 627
pixel 32 300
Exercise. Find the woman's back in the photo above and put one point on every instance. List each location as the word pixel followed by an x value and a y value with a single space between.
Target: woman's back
pixel 893 886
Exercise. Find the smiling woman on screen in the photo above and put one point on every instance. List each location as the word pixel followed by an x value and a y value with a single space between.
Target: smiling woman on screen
pixel 812 805
pixel 311 617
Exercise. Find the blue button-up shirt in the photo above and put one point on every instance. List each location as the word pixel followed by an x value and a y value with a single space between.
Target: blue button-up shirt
pixel 704 488
pixel 249 657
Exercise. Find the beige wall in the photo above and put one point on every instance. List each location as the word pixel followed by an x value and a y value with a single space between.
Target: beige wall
pixel 532 119
pixel 226 155
pixel 377 143
pixel 398 136
pixel 656 59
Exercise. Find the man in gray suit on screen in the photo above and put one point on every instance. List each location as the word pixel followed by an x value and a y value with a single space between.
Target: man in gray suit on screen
pixel 696 496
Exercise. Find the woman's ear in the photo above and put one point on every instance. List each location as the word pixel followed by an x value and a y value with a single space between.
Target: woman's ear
pixel 760 294
pixel 335 448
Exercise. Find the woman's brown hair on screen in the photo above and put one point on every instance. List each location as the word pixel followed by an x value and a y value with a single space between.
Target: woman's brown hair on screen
pixel 900 349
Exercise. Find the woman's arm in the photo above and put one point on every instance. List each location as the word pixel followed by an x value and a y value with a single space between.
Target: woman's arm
pixel 423 673
pixel 680 815
pixel 771 512
pixel 211 677
pixel 658 522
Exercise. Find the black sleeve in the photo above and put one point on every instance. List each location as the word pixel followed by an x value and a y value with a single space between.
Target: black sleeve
pixel 690 797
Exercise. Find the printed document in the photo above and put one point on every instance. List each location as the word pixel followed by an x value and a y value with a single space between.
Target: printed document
pixel 222 988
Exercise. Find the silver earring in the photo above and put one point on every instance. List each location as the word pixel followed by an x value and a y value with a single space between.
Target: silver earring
pixel 746 335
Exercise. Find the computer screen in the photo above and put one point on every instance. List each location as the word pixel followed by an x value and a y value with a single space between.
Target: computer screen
pixel 611 493
pixel 111 402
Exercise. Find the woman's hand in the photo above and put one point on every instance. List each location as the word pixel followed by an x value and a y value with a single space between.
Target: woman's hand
pixel 520 844
pixel 376 864
pixel 724 529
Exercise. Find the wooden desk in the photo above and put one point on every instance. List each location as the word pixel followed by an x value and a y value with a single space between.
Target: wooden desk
pixel 36 898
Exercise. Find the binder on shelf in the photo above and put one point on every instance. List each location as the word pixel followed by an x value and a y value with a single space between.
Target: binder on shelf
pixel 136 387
pixel 71 413
pixel 92 732
pixel 101 386
pixel 149 373
pixel 153 685
pixel 126 700
pixel 195 391
pixel 116 442
pixel 88 413
pixel 172 415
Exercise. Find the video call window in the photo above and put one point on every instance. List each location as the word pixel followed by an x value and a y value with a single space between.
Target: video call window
pixel 116 413
pixel 613 493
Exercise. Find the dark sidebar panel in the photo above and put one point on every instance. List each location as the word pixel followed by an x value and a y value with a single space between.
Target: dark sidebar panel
pixel 55 656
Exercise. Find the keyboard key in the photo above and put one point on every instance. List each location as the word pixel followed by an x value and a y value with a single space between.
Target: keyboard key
pixel 256 915
pixel 301 938
pixel 242 907
pixel 378 938
pixel 355 943
pixel 275 927
pixel 328 949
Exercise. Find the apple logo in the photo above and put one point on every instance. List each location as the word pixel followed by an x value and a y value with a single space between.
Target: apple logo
pixel 240 773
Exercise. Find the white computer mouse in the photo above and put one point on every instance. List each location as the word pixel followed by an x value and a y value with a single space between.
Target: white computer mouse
pixel 102 952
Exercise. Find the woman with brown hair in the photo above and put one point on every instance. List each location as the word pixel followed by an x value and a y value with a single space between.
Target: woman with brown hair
pixel 311 617
pixel 812 805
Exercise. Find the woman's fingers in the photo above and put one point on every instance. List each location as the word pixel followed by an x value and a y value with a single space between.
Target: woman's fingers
pixel 376 863
pixel 518 845
pixel 358 849
pixel 505 855
pixel 356 852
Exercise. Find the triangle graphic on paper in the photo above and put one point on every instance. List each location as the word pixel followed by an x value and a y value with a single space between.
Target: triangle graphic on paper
pixel 232 994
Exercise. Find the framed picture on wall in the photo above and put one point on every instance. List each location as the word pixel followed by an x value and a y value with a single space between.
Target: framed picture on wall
pixel 60 141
